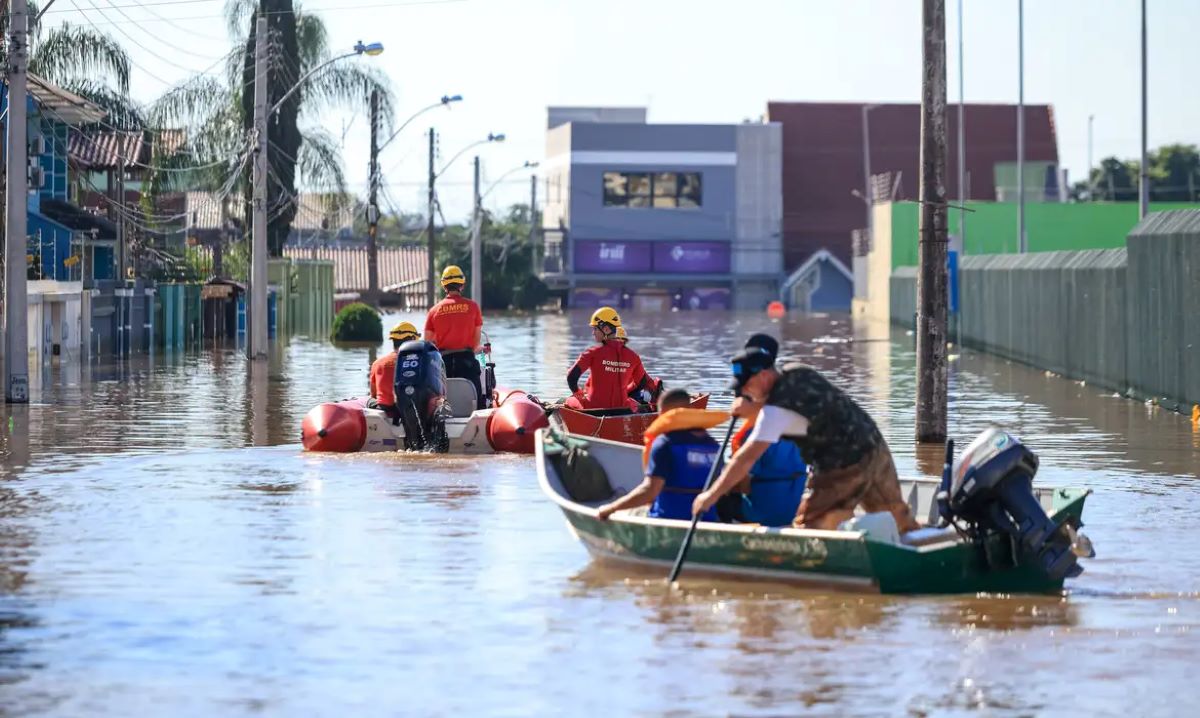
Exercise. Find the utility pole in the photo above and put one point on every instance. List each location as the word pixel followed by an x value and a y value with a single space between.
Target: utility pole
pixel 867 198
pixel 430 240
pixel 373 206
pixel 1144 174
pixel 932 279
pixel 121 259
pixel 256 344
pixel 16 318
pixel 1091 185
pixel 962 139
pixel 1021 241
pixel 533 224
pixel 477 242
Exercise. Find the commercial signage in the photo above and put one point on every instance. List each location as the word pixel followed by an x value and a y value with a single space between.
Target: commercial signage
pixel 691 257
pixel 612 257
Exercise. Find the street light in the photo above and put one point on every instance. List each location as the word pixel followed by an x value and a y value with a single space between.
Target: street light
pixel 492 137
pixel 433 176
pixel 444 102
pixel 257 335
pixel 373 50
pixel 526 166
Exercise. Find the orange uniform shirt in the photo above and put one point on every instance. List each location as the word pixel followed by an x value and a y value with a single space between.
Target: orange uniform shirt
pixel 383 379
pixel 612 367
pixel 453 322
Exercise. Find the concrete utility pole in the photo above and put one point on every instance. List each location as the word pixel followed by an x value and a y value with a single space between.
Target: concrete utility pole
pixel 256 344
pixel 16 317
pixel 121 250
pixel 373 205
pixel 430 293
pixel 477 242
pixel 932 279
pixel 962 138
pixel 533 224
pixel 1144 175
pixel 1021 240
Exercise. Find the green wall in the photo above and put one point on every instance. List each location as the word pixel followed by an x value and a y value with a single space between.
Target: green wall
pixel 992 226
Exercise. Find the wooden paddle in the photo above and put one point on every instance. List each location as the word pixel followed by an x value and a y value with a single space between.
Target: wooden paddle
pixel 712 476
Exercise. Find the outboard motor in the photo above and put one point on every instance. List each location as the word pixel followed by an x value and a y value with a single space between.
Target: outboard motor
pixel 991 492
pixel 421 396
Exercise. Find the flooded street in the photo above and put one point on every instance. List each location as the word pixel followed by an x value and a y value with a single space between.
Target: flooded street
pixel 167 549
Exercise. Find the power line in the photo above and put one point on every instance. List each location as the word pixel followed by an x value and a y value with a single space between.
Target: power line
pixel 338 8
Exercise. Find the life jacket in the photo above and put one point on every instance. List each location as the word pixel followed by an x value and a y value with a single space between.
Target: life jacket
pixel 776 483
pixel 680 420
pixel 693 454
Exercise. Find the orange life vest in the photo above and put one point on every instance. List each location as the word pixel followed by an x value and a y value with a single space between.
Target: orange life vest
pixel 680 420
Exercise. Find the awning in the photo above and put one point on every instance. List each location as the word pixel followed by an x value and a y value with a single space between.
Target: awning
pixel 78 220
pixel 66 106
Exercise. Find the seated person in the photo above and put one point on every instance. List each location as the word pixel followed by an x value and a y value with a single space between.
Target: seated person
pixel 677 468
pixel 383 372
pixel 613 369
pixel 773 492
pixel 642 391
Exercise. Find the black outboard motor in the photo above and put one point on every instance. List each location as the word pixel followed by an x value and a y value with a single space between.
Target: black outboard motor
pixel 421 396
pixel 992 492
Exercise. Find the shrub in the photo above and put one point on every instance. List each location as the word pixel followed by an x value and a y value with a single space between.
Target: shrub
pixel 357 323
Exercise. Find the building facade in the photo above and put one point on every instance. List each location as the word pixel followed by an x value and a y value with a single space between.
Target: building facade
pixel 656 217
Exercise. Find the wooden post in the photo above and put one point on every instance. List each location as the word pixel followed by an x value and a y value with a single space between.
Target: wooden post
pixel 932 279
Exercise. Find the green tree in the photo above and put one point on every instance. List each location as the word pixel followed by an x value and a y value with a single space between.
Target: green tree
pixel 1173 173
pixel 508 278
pixel 218 113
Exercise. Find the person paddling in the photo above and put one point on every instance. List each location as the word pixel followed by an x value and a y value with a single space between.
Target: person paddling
pixel 850 463
pixel 613 368
pixel 381 383
pixel 677 462
pixel 455 325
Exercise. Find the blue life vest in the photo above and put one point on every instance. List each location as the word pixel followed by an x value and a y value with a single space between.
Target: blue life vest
pixel 777 482
pixel 688 461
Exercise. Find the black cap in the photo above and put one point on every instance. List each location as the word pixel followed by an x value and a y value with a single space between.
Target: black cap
pixel 764 341
pixel 749 362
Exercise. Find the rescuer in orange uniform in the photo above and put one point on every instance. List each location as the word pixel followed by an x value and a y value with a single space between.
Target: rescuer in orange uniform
pixel 614 370
pixel 383 371
pixel 455 325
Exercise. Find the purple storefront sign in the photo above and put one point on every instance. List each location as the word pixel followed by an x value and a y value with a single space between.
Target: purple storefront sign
pixel 691 257
pixel 612 257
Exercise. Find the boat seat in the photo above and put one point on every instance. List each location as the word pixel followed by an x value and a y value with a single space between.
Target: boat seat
pixel 929 535
pixel 460 394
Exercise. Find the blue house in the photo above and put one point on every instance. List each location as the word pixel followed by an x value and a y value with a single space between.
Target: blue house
pixel 65 242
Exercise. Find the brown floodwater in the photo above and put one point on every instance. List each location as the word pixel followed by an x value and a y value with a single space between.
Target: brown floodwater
pixel 167 549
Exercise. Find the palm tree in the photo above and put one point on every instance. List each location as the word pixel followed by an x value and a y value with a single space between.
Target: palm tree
pixel 85 61
pixel 218 113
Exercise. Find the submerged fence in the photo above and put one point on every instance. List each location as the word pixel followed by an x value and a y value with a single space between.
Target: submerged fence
pixel 1125 319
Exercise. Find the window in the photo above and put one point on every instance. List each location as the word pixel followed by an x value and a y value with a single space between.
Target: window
pixel 660 190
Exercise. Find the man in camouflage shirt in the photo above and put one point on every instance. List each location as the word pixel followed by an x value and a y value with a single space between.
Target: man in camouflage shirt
pixel 849 460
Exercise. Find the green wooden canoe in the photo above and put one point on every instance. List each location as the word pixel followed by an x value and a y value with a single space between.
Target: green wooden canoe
pixel 942 563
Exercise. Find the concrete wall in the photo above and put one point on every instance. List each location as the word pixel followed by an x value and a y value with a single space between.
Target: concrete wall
pixel 757 241
pixel 1164 312
pixel 1125 319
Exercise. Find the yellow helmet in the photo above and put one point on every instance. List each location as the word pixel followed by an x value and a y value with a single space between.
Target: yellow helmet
pixel 606 315
pixel 404 331
pixel 622 335
pixel 453 275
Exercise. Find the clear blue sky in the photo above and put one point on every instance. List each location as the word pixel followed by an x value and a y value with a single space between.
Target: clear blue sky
pixel 695 61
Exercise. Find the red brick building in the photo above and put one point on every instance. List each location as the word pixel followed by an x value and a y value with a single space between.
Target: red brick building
pixel 823 162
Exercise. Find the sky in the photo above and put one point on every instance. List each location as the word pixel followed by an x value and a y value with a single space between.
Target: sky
pixel 702 61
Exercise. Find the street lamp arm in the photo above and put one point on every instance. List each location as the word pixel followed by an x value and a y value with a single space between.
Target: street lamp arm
pixel 299 83
pixel 461 152
pixel 445 101
pixel 492 186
